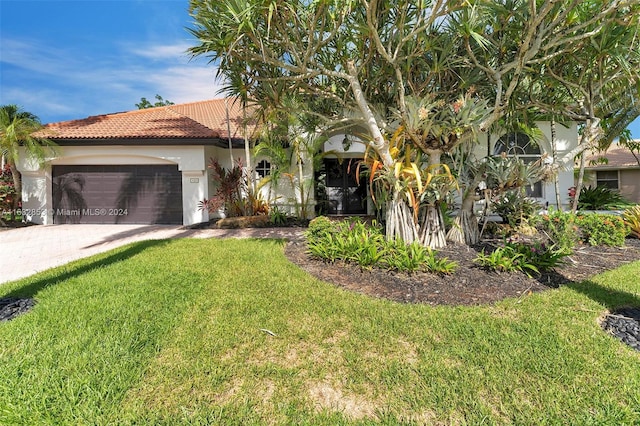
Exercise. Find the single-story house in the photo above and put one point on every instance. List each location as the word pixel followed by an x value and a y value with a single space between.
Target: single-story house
pixel 150 166
pixel 142 166
pixel 620 171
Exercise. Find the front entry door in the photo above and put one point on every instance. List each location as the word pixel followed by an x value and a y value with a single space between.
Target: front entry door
pixel 344 194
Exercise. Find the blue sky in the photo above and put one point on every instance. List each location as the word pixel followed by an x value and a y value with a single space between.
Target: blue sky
pixel 64 60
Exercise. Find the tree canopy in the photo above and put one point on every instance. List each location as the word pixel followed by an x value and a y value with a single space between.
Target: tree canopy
pixel 145 103
pixel 431 73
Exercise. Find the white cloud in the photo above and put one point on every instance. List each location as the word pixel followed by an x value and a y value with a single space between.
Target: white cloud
pixel 57 84
pixel 187 83
pixel 41 102
pixel 159 52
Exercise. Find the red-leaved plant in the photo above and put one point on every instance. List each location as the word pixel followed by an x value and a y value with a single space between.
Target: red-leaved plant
pixel 233 194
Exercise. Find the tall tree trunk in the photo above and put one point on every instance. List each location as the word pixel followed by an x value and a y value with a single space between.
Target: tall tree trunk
pixel 465 226
pixel 378 142
pixel 301 182
pixel 590 136
pixel 432 228
pixel 226 108
pixel 247 153
pixel 556 175
pixel 580 183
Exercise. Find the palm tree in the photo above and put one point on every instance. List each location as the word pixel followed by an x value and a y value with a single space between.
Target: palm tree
pixel 16 131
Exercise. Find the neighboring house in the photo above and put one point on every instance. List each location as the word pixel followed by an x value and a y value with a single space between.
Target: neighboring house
pixel 150 166
pixel 620 171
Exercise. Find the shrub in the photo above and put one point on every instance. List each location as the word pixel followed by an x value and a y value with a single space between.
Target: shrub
pixel 7 193
pixel 560 228
pixel 632 219
pixel 515 209
pixel 320 229
pixel 601 198
pixel 602 229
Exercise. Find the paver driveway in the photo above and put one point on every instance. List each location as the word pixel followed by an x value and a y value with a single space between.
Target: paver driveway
pixel 25 251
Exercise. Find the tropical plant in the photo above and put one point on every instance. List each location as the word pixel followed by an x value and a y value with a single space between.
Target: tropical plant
pixel 233 195
pixel 631 217
pixel 355 242
pixel 277 216
pixel 500 181
pixel 292 139
pixel 16 134
pixel 506 259
pixel 403 59
pixel 514 208
pixel 7 193
pixel 596 83
pixel 437 128
pixel 542 256
pixel 601 198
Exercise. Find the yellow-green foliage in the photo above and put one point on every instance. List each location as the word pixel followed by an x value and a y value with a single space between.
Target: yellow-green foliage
pixel 632 219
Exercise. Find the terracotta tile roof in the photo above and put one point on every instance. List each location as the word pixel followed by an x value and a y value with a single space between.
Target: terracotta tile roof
pixel 196 120
pixel 618 157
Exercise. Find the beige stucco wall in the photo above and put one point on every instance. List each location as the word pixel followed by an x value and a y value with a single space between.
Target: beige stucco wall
pixel 37 186
pixel 630 184
pixel 284 195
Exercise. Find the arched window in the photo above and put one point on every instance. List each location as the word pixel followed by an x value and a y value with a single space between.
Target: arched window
pixel 521 146
pixel 263 168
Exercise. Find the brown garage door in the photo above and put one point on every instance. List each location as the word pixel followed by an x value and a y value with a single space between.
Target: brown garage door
pixel 143 194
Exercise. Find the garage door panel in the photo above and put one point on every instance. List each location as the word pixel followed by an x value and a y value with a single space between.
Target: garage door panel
pixel 117 194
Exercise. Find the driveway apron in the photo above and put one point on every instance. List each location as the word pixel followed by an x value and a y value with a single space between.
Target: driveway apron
pixel 32 249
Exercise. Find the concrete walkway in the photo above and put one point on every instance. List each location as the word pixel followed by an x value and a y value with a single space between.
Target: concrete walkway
pixel 25 251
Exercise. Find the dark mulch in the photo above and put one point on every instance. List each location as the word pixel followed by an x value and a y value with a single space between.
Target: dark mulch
pixel 470 284
pixel 624 324
pixel 11 307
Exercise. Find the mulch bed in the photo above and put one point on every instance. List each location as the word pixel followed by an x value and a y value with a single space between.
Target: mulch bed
pixel 470 284
pixel 473 285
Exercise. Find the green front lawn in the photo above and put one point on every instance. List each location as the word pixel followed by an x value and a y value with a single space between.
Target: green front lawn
pixel 229 332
